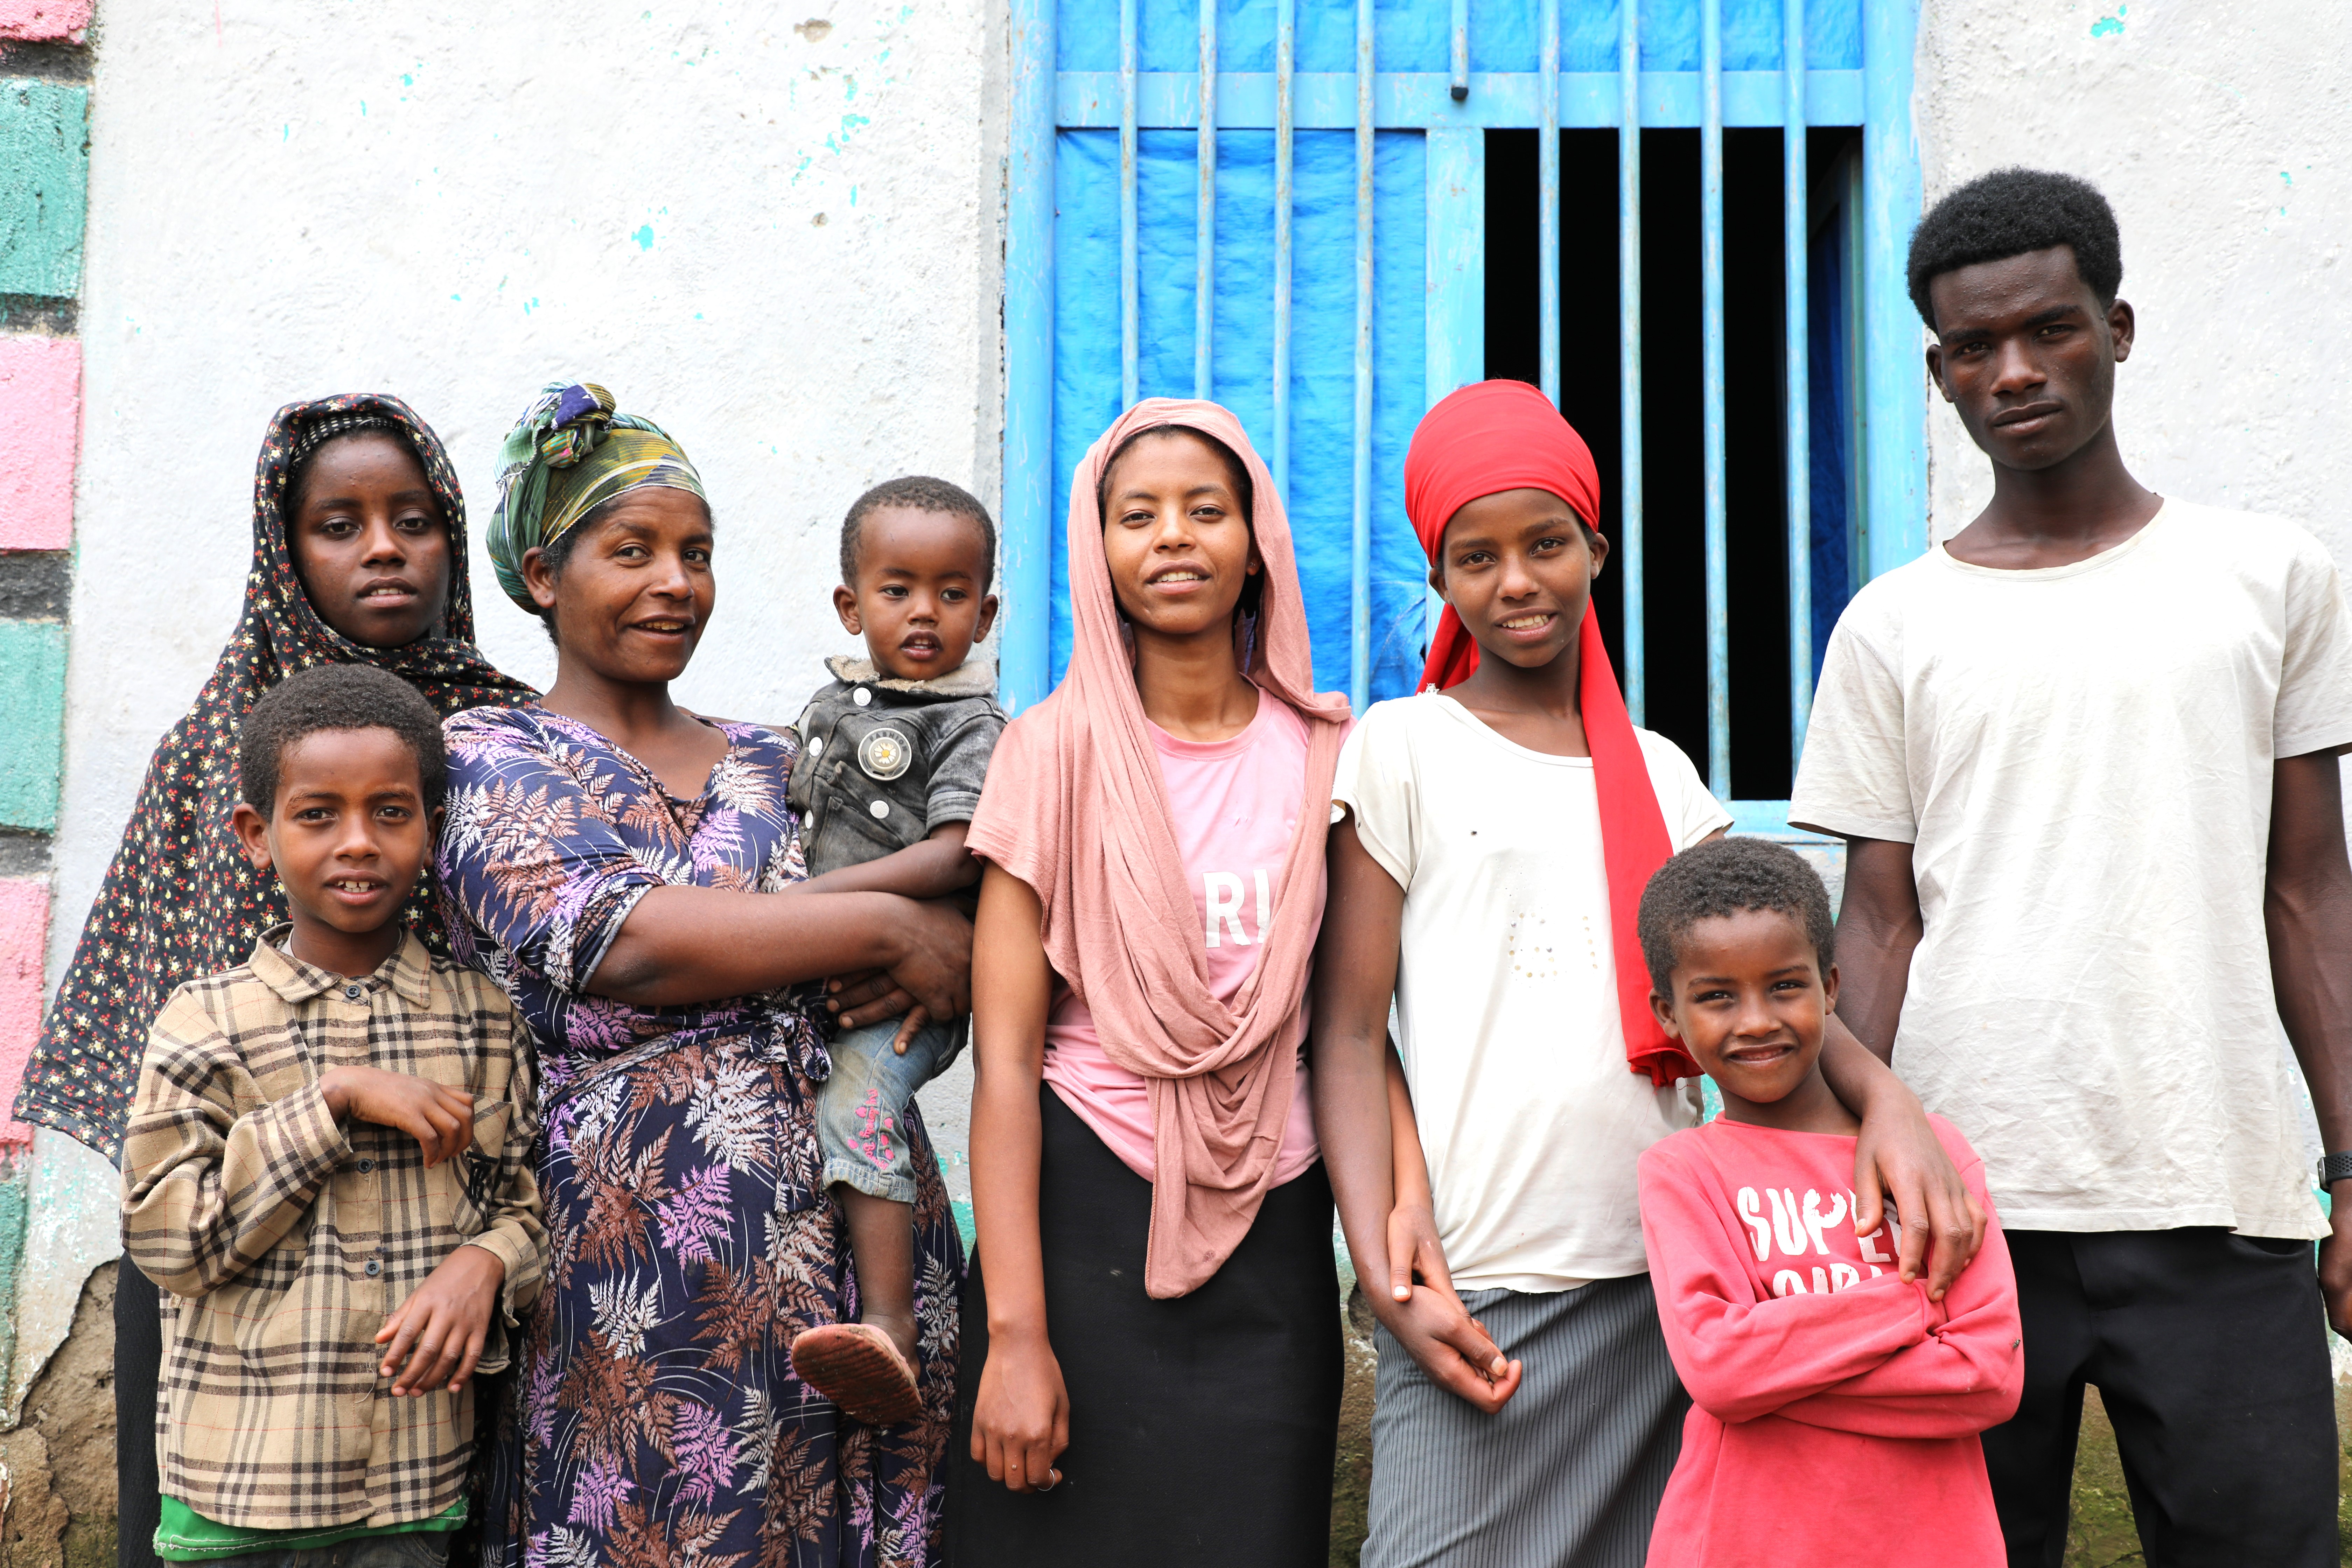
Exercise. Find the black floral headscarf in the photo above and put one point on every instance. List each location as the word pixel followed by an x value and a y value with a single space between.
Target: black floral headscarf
pixel 180 900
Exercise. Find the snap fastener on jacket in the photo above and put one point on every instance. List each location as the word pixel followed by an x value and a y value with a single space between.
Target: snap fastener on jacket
pixel 880 808
pixel 861 696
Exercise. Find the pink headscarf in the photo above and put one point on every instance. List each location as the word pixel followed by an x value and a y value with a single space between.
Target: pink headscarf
pixel 1076 808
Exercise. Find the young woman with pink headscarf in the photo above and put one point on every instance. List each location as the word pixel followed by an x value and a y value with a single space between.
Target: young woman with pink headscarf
pixel 1150 1367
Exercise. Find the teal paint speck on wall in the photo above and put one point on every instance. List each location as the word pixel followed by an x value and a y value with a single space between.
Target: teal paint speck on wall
pixel 44 186
pixel 645 238
pixel 32 722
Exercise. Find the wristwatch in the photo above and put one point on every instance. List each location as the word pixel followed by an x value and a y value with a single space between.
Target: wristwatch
pixel 2334 1168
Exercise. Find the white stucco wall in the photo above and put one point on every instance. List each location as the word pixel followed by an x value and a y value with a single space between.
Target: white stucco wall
pixel 776 231
pixel 2222 135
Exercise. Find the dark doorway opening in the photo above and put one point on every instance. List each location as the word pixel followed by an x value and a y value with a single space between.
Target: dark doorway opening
pixel 1673 453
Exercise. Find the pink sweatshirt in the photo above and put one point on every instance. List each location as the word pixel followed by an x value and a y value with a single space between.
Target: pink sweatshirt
pixel 1834 1404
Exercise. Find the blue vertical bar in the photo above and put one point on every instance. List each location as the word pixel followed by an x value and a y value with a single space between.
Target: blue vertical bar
pixel 1454 322
pixel 1360 562
pixel 1286 109
pixel 1204 232
pixel 1029 359
pixel 1629 351
pixel 1547 206
pixel 1896 384
pixel 1129 321
pixel 1710 262
pixel 1461 84
pixel 1454 336
pixel 1796 225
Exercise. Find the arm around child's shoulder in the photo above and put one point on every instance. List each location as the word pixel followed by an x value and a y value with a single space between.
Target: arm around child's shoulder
pixel 1741 1353
pixel 1968 1373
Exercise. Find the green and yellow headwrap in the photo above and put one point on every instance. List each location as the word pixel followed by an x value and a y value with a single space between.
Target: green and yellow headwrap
pixel 568 454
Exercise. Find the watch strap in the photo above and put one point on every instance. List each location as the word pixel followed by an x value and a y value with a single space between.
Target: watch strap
pixel 2334 1168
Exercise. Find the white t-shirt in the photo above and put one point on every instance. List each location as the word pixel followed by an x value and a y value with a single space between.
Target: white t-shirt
pixel 2082 757
pixel 1507 989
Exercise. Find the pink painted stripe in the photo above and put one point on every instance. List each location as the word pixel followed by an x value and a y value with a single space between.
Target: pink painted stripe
pixel 24 938
pixel 44 19
pixel 40 428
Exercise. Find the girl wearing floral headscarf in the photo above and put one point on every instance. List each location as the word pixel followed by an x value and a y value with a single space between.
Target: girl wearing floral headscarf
pixel 359 557
pixel 614 861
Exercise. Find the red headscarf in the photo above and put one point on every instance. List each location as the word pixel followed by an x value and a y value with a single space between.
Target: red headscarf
pixel 1506 435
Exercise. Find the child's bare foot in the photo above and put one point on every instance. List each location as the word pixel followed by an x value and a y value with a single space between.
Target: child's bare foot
pixel 865 1369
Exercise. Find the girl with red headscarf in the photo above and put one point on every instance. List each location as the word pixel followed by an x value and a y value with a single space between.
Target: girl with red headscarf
pixel 1151 1359
pixel 1498 830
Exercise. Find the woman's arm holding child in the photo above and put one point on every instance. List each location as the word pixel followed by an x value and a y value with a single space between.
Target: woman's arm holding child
pixel 1355 975
pixel 934 868
pixel 1021 1417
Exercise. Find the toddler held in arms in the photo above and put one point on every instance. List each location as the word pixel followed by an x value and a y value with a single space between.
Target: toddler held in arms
pixel 1834 1402
pixel 893 754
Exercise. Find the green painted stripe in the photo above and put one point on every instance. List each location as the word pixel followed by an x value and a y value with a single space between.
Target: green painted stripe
pixel 15 1211
pixel 32 722
pixel 44 186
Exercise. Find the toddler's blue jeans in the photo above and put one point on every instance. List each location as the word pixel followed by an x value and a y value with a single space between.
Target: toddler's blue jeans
pixel 861 1110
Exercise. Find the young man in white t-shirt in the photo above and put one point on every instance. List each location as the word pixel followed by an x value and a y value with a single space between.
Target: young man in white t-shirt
pixel 2083 754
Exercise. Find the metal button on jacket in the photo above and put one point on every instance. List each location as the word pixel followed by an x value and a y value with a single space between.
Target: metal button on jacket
pixel 861 696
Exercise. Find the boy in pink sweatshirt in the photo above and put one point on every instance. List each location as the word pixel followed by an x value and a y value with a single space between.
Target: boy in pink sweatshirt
pixel 1833 1401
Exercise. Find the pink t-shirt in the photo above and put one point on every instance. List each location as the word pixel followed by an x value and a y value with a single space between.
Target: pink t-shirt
pixel 1235 804
pixel 1831 1404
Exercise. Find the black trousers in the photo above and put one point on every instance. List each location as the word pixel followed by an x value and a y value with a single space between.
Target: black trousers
pixel 2209 1353
pixel 138 1366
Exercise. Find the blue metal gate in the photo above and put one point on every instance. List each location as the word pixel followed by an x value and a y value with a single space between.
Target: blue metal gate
pixel 1282 204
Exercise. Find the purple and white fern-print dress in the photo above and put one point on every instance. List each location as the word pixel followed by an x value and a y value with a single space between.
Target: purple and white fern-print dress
pixel 657 1421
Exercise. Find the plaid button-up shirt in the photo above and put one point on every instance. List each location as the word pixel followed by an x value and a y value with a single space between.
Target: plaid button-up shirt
pixel 283 1239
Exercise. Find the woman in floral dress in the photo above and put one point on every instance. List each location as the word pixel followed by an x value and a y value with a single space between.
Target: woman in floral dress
pixel 625 870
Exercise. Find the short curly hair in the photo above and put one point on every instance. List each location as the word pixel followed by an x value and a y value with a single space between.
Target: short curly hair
pixel 922 493
pixel 2011 212
pixel 337 697
pixel 1728 876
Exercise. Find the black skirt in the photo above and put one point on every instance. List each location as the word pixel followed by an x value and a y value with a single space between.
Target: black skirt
pixel 1201 1428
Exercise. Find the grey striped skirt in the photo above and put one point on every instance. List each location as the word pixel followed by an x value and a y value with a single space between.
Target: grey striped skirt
pixel 1567 1475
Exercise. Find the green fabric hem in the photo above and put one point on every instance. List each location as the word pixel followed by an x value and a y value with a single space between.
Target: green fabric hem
pixel 184 1535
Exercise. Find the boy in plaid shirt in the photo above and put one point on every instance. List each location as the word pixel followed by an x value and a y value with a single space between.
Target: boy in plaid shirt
pixel 327 1169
